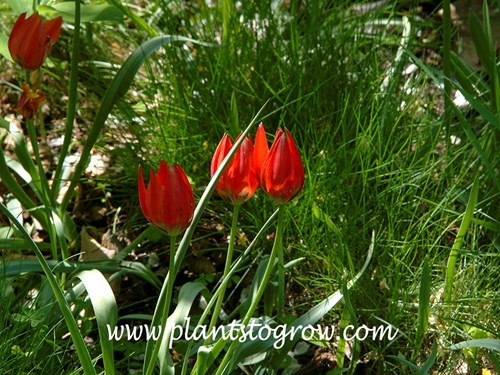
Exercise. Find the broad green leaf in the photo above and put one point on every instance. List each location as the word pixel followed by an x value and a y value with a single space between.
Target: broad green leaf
pixel 250 348
pixel 8 243
pixel 13 186
pixel 424 370
pixel 105 310
pixel 16 266
pixel 89 12
pixel 4 47
pixel 492 344
pixel 15 208
pixel 20 6
pixel 140 22
pixel 187 295
pixel 206 355
pixel 459 240
pixel 24 157
pixel 312 316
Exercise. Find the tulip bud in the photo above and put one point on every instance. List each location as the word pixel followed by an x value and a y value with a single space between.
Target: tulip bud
pixel 239 181
pixel 168 201
pixel 32 38
pixel 282 174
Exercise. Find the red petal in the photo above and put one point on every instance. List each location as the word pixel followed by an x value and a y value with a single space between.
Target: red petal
pixel 142 195
pixel 53 29
pixel 260 149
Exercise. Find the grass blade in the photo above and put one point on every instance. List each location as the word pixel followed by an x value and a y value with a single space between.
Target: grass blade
pixel 457 245
pixel 423 306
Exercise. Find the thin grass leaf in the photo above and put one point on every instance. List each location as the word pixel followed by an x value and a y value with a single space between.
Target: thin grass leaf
pixel 459 240
pixel 465 125
pixel 467 78
pixel 105 311
pixel 423 305
pixel 481 42
pixel 477 146
pixel 479 104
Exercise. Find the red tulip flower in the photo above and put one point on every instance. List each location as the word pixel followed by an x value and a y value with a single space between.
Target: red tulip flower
pixel 168 201
pixel 32 38
pixel 29 101
pixel 282 174
pixel 239 181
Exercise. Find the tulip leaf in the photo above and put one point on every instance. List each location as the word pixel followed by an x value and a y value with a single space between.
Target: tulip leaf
pixel 105 309
pixel 17 266
pixel 491 344
pixel 89 13
pixel 20 6
pixel 179 317
pixel 4 47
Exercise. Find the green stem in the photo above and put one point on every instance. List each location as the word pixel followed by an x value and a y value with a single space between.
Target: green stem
pixel 44 188
pixel 168 299
pixel 278 243
pixel 72 97
pixel 253 306
pixel 44 185
pixel 227 267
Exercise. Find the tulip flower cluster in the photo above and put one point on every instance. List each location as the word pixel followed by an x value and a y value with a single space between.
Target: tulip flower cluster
pixel 278 171
pixel 168 200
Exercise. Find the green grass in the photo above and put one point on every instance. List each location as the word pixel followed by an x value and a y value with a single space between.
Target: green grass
pixel 404 181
